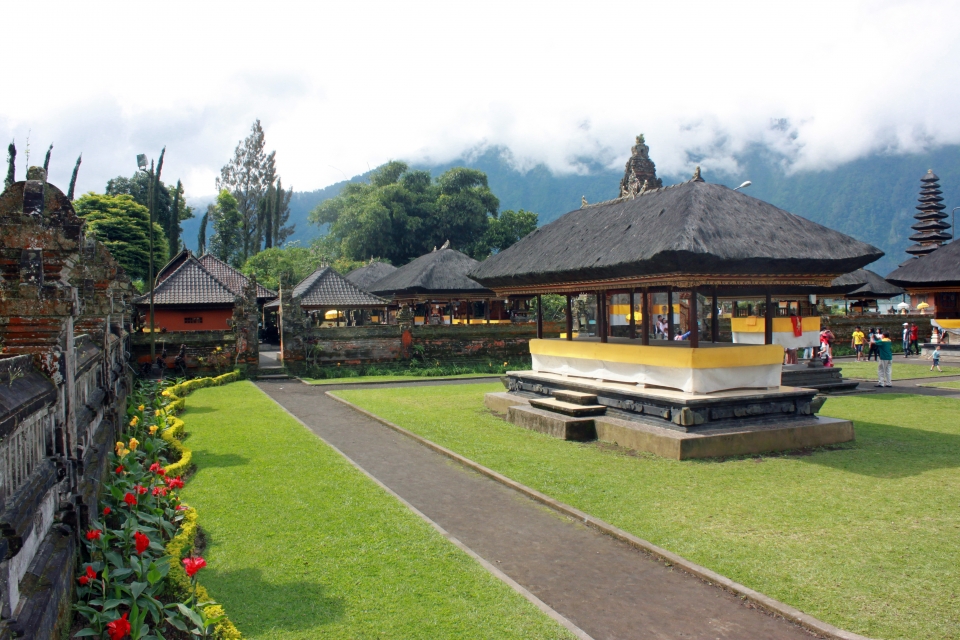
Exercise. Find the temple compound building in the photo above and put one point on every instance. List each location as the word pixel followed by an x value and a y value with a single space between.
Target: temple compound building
pixel 64 304
pixel 931 227
pixel 687 394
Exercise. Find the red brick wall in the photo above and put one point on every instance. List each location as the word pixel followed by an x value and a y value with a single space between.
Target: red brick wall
pixel 173 319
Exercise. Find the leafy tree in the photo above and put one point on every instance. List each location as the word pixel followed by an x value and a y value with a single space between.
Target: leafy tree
pixel 180 211
pixel 122 224
pixel 171 208
pixel 227 241
pixel 509 227
pixel 289 265
pixel 248 177
pixel 401 214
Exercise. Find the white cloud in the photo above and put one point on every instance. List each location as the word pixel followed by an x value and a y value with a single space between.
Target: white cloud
pixel 343 87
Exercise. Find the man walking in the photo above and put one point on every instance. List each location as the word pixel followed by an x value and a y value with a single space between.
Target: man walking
pixel 906 339
pixel 885 363
pixel 872 339
pixel 915 338
pixel 857 342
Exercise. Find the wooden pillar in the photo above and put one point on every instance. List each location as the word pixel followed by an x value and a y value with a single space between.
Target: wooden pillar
pixel 714 319
pixel 670 314
pixel 569 318
pixel 768 321
pixel 539 317
pixel 645 319
pixel 468 303
pixel 633 319
pixel 692 319
pixel 486 311
pixel 602 315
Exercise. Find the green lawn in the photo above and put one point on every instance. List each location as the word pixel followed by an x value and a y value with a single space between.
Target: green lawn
pixel 301 545
pixel 901 370
pixel 943 385
pixel 866 537
pixel 362 379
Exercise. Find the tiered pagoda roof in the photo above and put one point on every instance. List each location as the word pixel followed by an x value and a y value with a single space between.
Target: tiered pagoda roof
pixel 931 227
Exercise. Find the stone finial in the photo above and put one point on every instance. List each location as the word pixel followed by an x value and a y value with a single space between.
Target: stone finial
pixel 36 173
pixel 696 175
pixel 583 201
pixel 639 168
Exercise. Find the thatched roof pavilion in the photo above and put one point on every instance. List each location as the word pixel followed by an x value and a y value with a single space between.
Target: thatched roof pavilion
pixel 937 273
pixel 438 275
pixel 863 284
pixel 327 289
pixel 368 275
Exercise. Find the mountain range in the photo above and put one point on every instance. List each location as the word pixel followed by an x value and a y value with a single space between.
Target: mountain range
pixel 871 199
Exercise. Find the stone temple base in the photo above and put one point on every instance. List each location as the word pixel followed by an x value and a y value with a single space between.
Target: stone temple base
pixel 668 423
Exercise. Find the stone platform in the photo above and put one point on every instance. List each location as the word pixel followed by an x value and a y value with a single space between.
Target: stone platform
pixel 823 379
pixel 665 422
pixel 948 352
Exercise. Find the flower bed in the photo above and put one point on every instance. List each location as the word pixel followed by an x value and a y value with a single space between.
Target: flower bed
pixel 138 573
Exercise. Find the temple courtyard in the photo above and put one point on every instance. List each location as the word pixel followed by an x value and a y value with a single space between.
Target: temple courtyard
pixel 859 537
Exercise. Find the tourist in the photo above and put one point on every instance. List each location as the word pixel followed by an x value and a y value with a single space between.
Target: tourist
pixel 885 364
pixel 825 357
pixel 872 341
pixel 790 356
pixel 857 342
pixel 915 338
pixel 906 339
pixel 936 359
pixel 658 327
pixel 826 341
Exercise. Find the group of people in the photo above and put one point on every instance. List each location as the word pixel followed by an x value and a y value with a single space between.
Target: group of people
pixel 869 341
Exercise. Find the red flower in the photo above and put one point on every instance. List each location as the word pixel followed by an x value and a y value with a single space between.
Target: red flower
pixel 118 470
pixel 88 576
pixel 141 541
pixel 181 507
pixel 106 511
pixel 140 488
pixel 118 628
pixel 94 534
pixel 156 468
pixel 160 491
pixel 130 499
pixel 175 483
pixel 192 565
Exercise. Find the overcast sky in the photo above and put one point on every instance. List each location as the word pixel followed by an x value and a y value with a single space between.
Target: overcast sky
pixel 342 87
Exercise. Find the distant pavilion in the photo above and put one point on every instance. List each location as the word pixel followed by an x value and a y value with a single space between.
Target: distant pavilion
pixel 325 295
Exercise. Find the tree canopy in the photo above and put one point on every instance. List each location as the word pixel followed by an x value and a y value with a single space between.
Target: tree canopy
pixel 289 265
pixel 227 242
pixel 122 224
pixel 402 213
pixel 172 208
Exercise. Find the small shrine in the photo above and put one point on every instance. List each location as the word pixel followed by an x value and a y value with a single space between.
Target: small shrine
pixel 691 396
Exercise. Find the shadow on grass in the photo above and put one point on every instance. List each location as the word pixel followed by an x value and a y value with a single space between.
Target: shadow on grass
pixel 198 410
pixel 203 458
pixel 259 607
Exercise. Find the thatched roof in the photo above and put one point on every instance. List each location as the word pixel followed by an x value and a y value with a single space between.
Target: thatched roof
pixel 939 268
pixel 690 228
pixel 441 272
pixel 189 284
pixel 327 289
pixel 368 275
pixel 863 284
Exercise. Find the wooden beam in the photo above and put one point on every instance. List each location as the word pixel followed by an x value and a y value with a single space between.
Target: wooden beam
pixel 645 319
pixel 692 318
pixel 569 318
pixel 633 320
pixel 768 321
pixel 539 317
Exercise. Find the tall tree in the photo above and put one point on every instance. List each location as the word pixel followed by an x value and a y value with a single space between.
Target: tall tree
pixel 281 215
pixel 509 227
pixel 202 234
pixel 11 166
pixel 227 241
pixel 170 209
pixel 73 178
pixel 247 177
pixel 122 224
pixel 46 161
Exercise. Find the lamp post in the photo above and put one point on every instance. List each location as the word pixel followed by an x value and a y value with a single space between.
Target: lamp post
pixel 151 206
pixel 746 184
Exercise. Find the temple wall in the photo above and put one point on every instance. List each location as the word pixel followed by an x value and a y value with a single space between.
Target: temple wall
pixel 64 304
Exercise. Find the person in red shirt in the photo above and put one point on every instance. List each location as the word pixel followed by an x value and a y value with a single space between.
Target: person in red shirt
pixel 915 338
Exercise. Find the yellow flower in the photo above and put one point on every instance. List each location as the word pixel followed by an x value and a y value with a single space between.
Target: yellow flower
pixel 158 413
pixel 123 452
pixel 153 429
pixel 134 422
pixel 506 363
pixel 140 408
pixel 120 447
pixel 133 444
pixel 165 393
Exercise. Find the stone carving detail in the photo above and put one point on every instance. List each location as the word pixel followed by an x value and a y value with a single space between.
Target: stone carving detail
pixel 640 173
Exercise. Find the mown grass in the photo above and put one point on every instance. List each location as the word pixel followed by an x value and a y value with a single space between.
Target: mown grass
pixel 944 385
pixel 865 536
pixel 301 545
pixel 368 379
pixel 901 370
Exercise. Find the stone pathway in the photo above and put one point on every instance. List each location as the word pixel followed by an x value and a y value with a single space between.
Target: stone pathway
pixel 605 587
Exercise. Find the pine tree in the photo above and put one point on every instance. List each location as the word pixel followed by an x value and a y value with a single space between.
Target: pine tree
pixel 247 177
pixel 11 166
pixel 202 234
pixel 46 162
pixel 227 242
pixel 73 178
pixel 281 214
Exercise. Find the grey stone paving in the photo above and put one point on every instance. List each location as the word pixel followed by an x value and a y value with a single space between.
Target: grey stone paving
pixel 605 587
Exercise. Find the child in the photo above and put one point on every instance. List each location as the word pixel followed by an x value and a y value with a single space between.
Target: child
pixel 936 359
pixel 825 356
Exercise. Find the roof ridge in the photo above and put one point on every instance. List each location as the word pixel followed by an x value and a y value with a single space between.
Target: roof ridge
pixel 633 196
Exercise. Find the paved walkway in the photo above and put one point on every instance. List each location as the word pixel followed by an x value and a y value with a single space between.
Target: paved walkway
pixel 605 587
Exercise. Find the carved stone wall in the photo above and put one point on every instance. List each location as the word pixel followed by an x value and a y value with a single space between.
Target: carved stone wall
pixel 63 387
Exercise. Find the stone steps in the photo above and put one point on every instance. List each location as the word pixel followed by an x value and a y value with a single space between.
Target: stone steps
pixel 575 397
pixel 568 408
pixel 552 423
pixel 272 374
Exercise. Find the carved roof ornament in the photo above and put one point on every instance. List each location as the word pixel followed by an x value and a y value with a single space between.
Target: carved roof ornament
pixel 696 175
pixel 640 169
pixel 583 201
